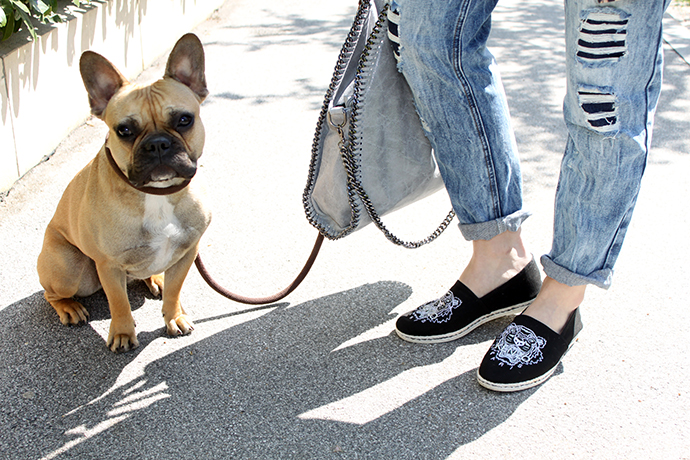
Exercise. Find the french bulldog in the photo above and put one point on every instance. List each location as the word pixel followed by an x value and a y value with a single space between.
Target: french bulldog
pixel 132 212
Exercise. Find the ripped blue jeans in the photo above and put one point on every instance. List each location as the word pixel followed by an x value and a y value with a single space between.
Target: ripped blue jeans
pixel 614 63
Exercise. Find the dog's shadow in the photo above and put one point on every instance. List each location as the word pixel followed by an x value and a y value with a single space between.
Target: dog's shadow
pixel 36 332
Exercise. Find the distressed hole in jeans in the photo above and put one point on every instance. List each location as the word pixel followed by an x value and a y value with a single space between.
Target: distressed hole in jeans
pixel 602 36
pixel 600 109
pixel 393 16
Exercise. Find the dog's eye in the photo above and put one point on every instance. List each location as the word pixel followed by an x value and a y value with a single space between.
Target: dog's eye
pixel 124 131
pixel 185 121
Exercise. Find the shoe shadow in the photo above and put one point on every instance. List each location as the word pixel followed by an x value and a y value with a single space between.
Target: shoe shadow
pixel 311 380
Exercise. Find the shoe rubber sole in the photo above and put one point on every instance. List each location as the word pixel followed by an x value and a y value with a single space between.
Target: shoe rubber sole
pixel 455 335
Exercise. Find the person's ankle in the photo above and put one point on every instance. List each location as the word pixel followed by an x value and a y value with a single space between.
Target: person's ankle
pixel 555 303
pixel 494 262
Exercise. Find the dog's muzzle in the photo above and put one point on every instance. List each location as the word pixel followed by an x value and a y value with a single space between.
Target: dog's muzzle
pixel 160 158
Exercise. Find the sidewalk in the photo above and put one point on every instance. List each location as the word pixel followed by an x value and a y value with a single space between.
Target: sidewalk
pixel 322 375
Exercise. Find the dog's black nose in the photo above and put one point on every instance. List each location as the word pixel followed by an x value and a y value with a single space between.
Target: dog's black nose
pixel 157 145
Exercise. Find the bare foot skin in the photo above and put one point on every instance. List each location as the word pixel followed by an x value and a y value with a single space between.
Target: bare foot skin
pixel 497 260
pixel 555 303
pixel 494 262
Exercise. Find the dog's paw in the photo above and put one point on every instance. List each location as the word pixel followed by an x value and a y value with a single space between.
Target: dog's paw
pixel 155 285
pixel 122 338
pixel 180 325
pixel 71 312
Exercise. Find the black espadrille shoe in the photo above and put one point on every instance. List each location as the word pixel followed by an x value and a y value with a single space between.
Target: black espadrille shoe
pixel 526 354
pixel 459 312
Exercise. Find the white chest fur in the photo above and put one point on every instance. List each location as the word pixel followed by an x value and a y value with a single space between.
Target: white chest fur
pixel 164 231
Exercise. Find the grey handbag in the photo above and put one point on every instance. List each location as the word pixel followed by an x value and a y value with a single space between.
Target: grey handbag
pixel 370 152
pixel 370 155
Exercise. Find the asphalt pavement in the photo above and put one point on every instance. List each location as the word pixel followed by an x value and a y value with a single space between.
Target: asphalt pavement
pixel 321 375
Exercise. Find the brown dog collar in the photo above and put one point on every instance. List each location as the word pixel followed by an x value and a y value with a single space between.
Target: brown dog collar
pixel 149 190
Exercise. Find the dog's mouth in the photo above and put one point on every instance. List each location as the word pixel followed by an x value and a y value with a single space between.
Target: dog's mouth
pixel 161 162
pixel 163 173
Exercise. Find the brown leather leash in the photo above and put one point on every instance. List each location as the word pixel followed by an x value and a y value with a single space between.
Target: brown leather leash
pixel 261 300
pixel 200 264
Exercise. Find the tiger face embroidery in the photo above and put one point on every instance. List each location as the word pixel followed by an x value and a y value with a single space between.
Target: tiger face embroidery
pixel 437 311
pixel 518 346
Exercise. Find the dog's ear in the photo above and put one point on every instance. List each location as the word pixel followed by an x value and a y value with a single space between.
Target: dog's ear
pixel 101 79
pixel 186 64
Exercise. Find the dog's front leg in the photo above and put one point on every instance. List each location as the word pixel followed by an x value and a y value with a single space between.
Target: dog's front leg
pixel 176 320
pixel 122 336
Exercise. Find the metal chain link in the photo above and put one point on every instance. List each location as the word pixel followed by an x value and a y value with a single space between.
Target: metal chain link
pixel 345 54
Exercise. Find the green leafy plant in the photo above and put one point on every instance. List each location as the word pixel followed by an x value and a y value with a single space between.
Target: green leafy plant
pixel 17 14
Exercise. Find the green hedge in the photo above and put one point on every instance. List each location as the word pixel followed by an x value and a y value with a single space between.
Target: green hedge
pixel 18 14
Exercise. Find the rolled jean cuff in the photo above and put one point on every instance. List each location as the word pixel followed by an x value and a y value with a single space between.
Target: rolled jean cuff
pixel 487 230
pixel 600 278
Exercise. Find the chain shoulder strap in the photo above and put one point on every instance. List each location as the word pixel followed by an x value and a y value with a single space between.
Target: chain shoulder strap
pixel 352 160
pixel 324 117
